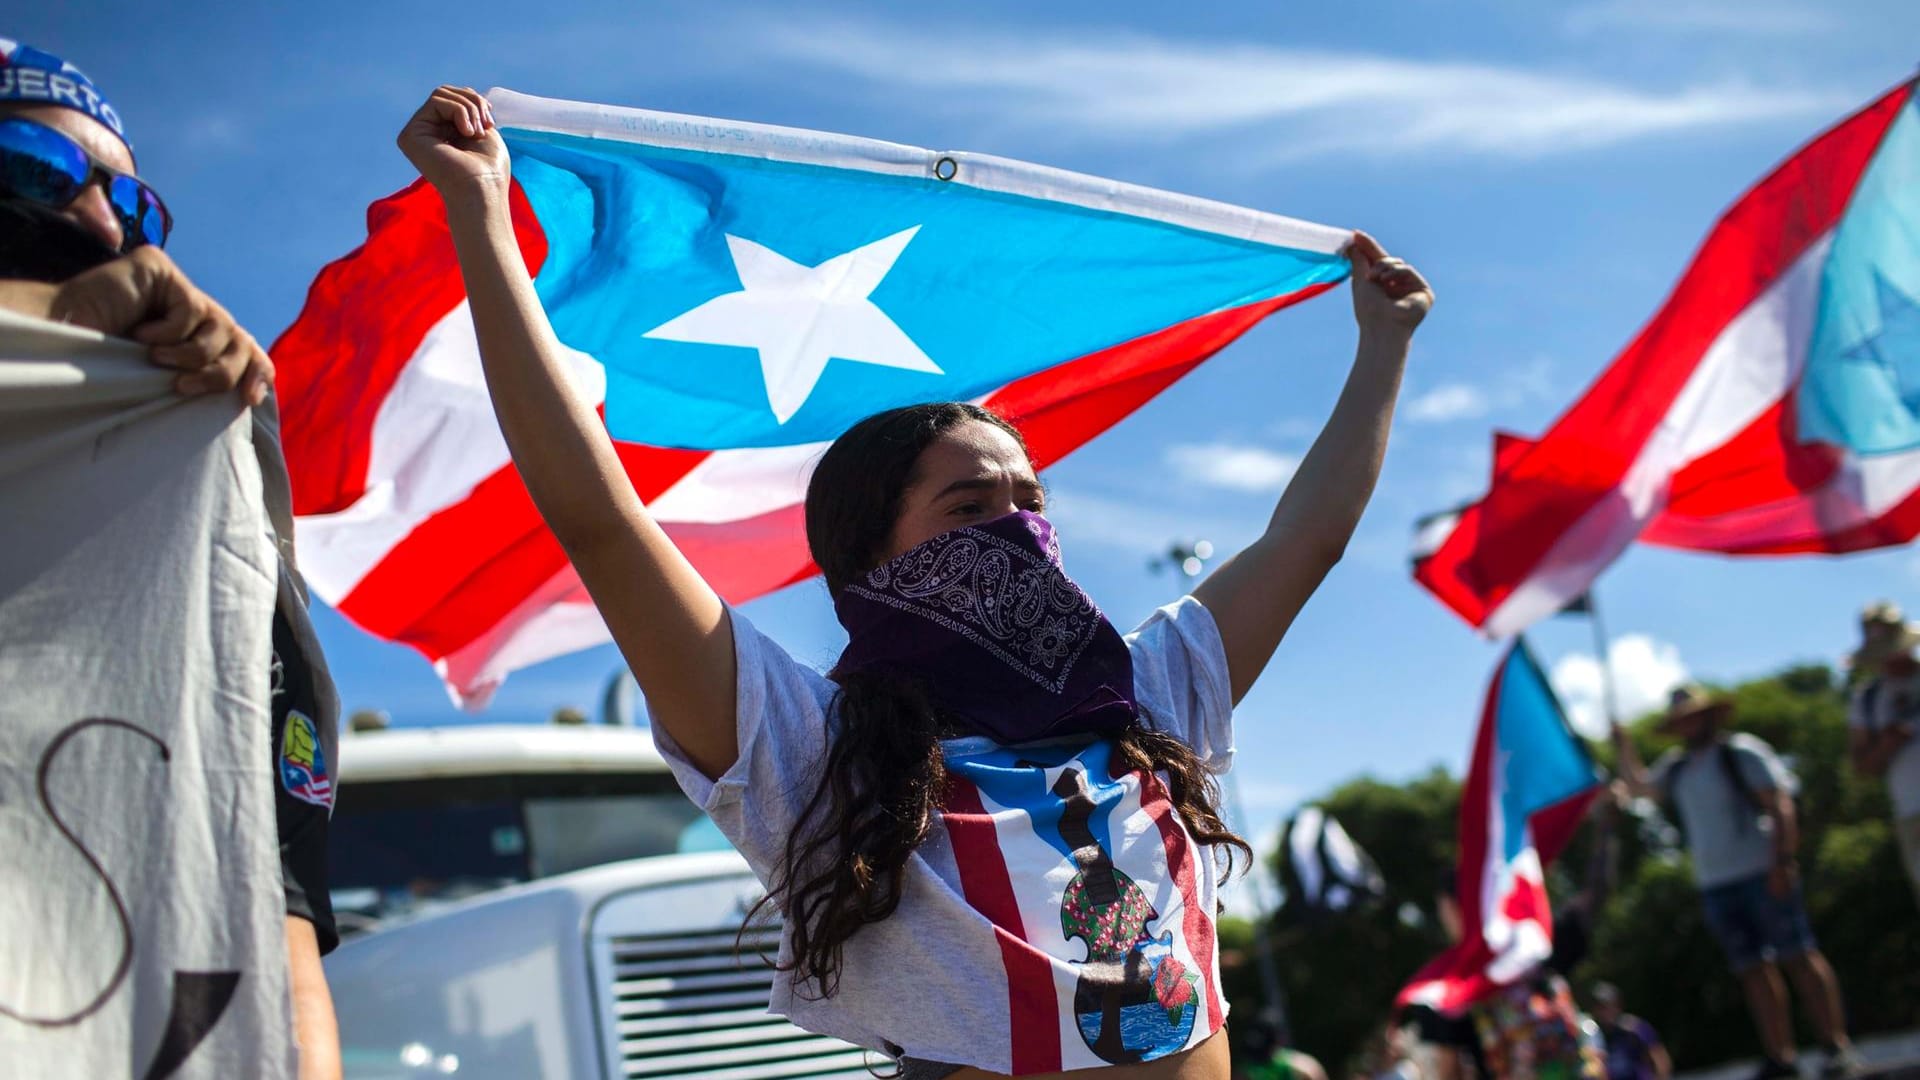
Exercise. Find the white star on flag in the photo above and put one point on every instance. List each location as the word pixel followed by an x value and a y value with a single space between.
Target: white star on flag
pixel 799 317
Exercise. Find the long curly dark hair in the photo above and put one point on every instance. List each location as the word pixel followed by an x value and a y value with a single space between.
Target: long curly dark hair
pixel 884 777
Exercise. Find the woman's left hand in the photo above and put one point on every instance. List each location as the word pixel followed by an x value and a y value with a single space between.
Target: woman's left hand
pixel 1387 293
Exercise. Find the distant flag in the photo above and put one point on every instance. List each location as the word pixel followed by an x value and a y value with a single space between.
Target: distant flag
pixel 1322 869
pixel 1527 790
pixel 1771 407
pixel 734 296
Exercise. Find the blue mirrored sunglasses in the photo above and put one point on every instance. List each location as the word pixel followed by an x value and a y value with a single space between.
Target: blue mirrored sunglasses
pixel 43 165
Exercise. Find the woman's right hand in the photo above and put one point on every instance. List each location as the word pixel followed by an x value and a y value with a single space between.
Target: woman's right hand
pixel 452 140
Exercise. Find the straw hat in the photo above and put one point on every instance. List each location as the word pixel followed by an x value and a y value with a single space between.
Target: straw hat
pixel 1884 633
pixel 1694 700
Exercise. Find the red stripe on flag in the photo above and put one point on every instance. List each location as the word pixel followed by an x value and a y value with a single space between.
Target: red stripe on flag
pixel 364 319
pixel 461 571
pixel 1585 455
pixel 1062 408
pixel 1033 1012
pixel 1763 464
pixel 1195 927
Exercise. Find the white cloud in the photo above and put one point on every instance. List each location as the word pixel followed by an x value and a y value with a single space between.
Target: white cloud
pixel 1645 672
pixel 1279 103
pixel 1232 466
pixel 1747 17
pixel 1453 401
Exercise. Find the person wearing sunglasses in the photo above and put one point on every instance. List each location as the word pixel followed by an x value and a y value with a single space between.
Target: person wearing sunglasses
pixel 81 241
pixel 82 236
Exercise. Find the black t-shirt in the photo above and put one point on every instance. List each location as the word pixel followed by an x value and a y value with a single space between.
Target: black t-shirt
pixel 303 787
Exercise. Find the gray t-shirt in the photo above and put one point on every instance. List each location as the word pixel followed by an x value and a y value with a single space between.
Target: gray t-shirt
pixel 1058 915
pixel 1894 701
pixel 1729 837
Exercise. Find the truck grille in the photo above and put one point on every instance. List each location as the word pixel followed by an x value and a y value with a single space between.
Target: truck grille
pixel 690 1004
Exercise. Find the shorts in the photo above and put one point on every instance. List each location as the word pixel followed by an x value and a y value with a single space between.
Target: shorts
pixel 915 1069
pixel 1753 925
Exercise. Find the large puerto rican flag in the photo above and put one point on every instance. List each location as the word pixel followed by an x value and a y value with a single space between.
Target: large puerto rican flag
pixel 734 296
pixel 1528 788
pixel 1771 407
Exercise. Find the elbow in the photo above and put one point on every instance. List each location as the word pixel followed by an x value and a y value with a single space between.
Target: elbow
pixel 1323 553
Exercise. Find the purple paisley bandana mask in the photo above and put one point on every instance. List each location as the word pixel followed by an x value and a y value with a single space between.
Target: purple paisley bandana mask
pixel 1001 639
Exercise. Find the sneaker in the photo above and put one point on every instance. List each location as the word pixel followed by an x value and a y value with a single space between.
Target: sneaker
pixel 1777 1070
pixel 1842 1063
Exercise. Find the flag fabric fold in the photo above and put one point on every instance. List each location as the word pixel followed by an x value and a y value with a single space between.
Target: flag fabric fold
pixel 1528 787
pixel 1770 407
pixel 732 296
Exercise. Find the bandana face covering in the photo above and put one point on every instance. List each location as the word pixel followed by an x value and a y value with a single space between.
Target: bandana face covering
pixel 1001 639
pixel 41 245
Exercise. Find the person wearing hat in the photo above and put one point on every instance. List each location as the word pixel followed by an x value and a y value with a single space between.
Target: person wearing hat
pixel 81 242
pixel 1882 718
pixel 1733 800
pixel 1633 1048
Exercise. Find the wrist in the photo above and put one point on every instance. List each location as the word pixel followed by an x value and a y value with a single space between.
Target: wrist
pixel 35 298
pixel 477 198
pixel 1383 336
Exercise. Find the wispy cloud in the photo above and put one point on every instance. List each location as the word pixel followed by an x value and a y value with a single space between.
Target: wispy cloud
pixel 1452 401
pixel 1280 103
pixel 1645 671
pixel 1747 17
pixel 1233 466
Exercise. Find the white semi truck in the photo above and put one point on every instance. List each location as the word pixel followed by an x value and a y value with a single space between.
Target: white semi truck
pixel 543 902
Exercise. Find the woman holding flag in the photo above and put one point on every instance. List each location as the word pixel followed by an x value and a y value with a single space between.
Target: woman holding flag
pixel 991 830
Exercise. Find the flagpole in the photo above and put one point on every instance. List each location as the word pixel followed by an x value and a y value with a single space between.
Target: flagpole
pixel 1609 700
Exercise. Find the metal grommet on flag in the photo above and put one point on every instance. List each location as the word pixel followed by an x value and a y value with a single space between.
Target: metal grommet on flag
pixel 945 169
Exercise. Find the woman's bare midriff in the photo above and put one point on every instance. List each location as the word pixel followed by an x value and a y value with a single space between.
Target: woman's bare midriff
pixel 1208 1061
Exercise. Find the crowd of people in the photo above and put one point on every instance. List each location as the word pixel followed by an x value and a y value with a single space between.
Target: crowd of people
pixel 860 795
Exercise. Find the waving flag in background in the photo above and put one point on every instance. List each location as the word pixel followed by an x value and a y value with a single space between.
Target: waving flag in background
pixel 1324 871
pixel 1771 407
pixel 1528 786
pixel 734 296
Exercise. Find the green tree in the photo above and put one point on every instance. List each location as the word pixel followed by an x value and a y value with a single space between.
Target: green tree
pixel 1340 972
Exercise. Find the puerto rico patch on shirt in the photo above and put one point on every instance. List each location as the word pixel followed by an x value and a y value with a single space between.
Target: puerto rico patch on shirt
pixel 303 765
pixel 1096 880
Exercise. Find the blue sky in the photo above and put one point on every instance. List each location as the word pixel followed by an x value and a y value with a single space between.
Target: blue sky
pixel 1549 166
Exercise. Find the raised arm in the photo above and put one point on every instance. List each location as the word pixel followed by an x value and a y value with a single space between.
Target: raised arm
pixel 1634 776
pixel 671 627
pixel 1255 595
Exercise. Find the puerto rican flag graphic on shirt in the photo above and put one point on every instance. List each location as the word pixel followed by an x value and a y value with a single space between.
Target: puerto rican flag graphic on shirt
pixel 1108 944
pixel 732 297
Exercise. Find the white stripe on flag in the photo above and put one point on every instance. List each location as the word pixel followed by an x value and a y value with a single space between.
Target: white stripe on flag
pixel 434 438
pixel 985 172
pixel 1753 363
pixel 733 485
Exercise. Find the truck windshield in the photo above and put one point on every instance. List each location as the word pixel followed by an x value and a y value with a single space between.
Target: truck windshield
pixel 395 845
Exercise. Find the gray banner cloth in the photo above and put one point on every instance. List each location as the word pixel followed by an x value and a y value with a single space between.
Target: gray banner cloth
pixel 141 913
